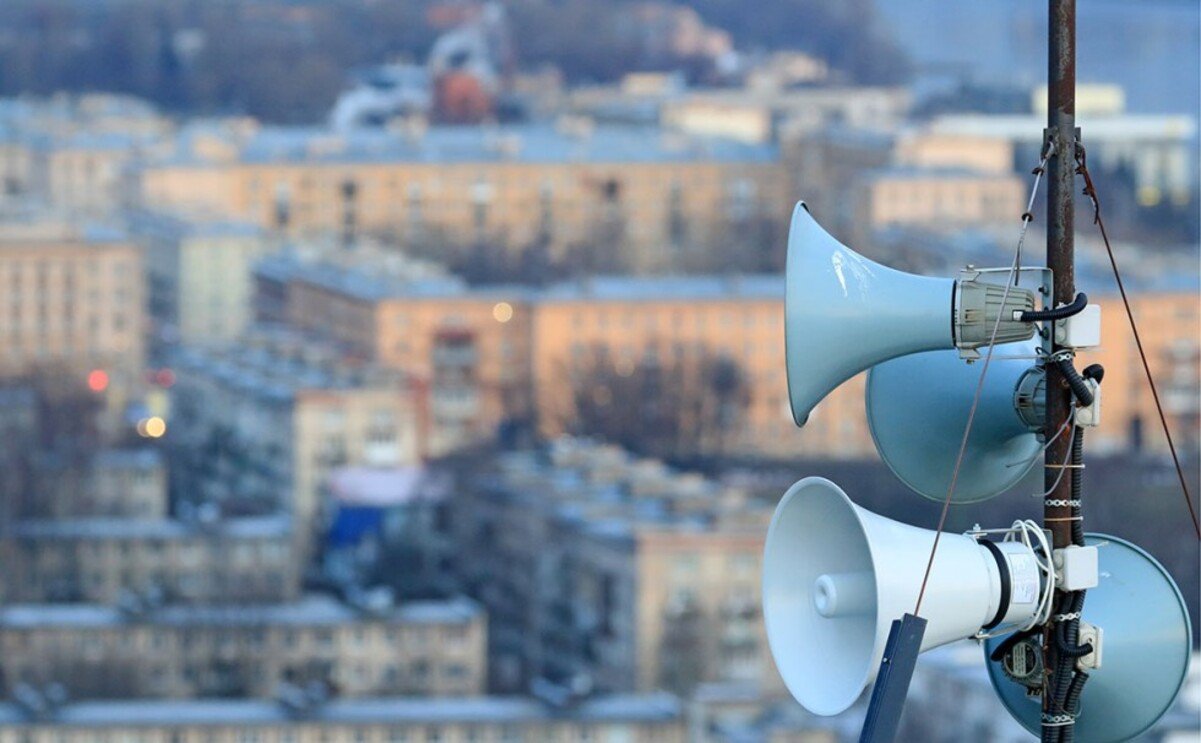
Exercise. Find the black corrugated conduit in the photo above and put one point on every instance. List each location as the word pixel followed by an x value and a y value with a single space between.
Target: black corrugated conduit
pixel 1075 307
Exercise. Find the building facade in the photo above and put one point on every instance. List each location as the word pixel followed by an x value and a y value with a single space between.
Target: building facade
pixel 612 574
pixel 199 276
pixel 108 560
pixel 113 483
pixel 257 426
pixel 70 298
pixel 503 353
pixel 637 193
pixel 420 649
pixel 647 718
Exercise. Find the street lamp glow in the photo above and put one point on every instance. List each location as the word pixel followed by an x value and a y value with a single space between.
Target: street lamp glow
pixel 154 427
pixel 502 312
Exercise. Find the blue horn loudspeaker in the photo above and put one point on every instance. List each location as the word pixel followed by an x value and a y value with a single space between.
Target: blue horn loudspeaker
pixel 1145 649
pixel 917 407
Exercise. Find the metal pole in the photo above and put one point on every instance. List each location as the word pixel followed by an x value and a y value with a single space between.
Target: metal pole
pixel 1061 171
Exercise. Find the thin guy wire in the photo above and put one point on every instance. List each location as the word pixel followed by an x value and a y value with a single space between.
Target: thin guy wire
pixel 971 416
pixel 1029 463
pixel 1091 191
pixel 1063 465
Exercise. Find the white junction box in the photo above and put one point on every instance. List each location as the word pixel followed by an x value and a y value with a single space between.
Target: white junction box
pixel 1082 330
pixel 1090 635
pixel 1076 568
pixel 1091 415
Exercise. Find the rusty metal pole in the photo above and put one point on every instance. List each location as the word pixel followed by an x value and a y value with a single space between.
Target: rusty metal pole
pixel 1061 171
pixel 1061 212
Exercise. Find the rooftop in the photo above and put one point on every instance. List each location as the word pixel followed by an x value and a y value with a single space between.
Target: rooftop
pixel 178 227
pixel 278 364
pixel 666 288
pixel 258 527
pixel 531 143
pixel 314 609
pixel 373 287
pixel 650 708
pixel 1122 127
pixel 911 173
pixel 604 492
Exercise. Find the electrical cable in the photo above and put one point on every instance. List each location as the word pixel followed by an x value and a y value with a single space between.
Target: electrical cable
pixel 1063 466
pixel 1077 486
pixel 1080 390
pixel 1075 307
pixel 1026 529
pixel 1090 191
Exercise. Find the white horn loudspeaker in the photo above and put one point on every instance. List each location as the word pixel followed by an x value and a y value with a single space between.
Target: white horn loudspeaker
pixel 844 313
pixel 835 576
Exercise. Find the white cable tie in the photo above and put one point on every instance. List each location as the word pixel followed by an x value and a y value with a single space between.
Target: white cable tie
pixel 1066 617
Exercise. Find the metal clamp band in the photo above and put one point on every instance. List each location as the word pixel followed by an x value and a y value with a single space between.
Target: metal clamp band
pixel 1062 502
pixel 1003 569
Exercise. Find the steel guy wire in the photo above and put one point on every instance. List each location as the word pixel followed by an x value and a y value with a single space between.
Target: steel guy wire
pixel 1027 218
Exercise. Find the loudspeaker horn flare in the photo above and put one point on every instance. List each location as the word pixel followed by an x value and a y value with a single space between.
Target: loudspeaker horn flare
pixel 835 576
pixel 844 313
pixel 918 405
pixel 1146 645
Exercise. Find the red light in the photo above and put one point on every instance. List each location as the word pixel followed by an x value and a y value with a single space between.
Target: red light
pixel 98 380
pixel 164 377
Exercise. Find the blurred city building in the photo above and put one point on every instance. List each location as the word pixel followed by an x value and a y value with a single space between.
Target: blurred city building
pixel 105 560
pixel 466 349
pixel 114 483
pixel 638 193
pixel 950 199
pixel 516 349
pixel 1155 150
pixel 74 153
pixel 301 716
pixel 387 525
pixel 258 425
pixel 769 108
pixel 198 273
pixel 140 650
pixel 73 297
pixel 602 572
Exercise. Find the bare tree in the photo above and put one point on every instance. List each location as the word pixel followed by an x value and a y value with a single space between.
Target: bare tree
pixel 689 403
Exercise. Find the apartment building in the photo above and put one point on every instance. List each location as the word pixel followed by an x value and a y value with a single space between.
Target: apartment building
pixel 467 348
pixel 198 276
pixel 603 572
pixel 637 192
pixel 258 425
pixel 73 153
pixel 70 298
pixel 176 652
pixel 677 323
pixel 107 560
pixel 938 199
pixel 112 483
pixel 492 354
pixel 1155 148
pixel 1169 323
pixel 633 718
